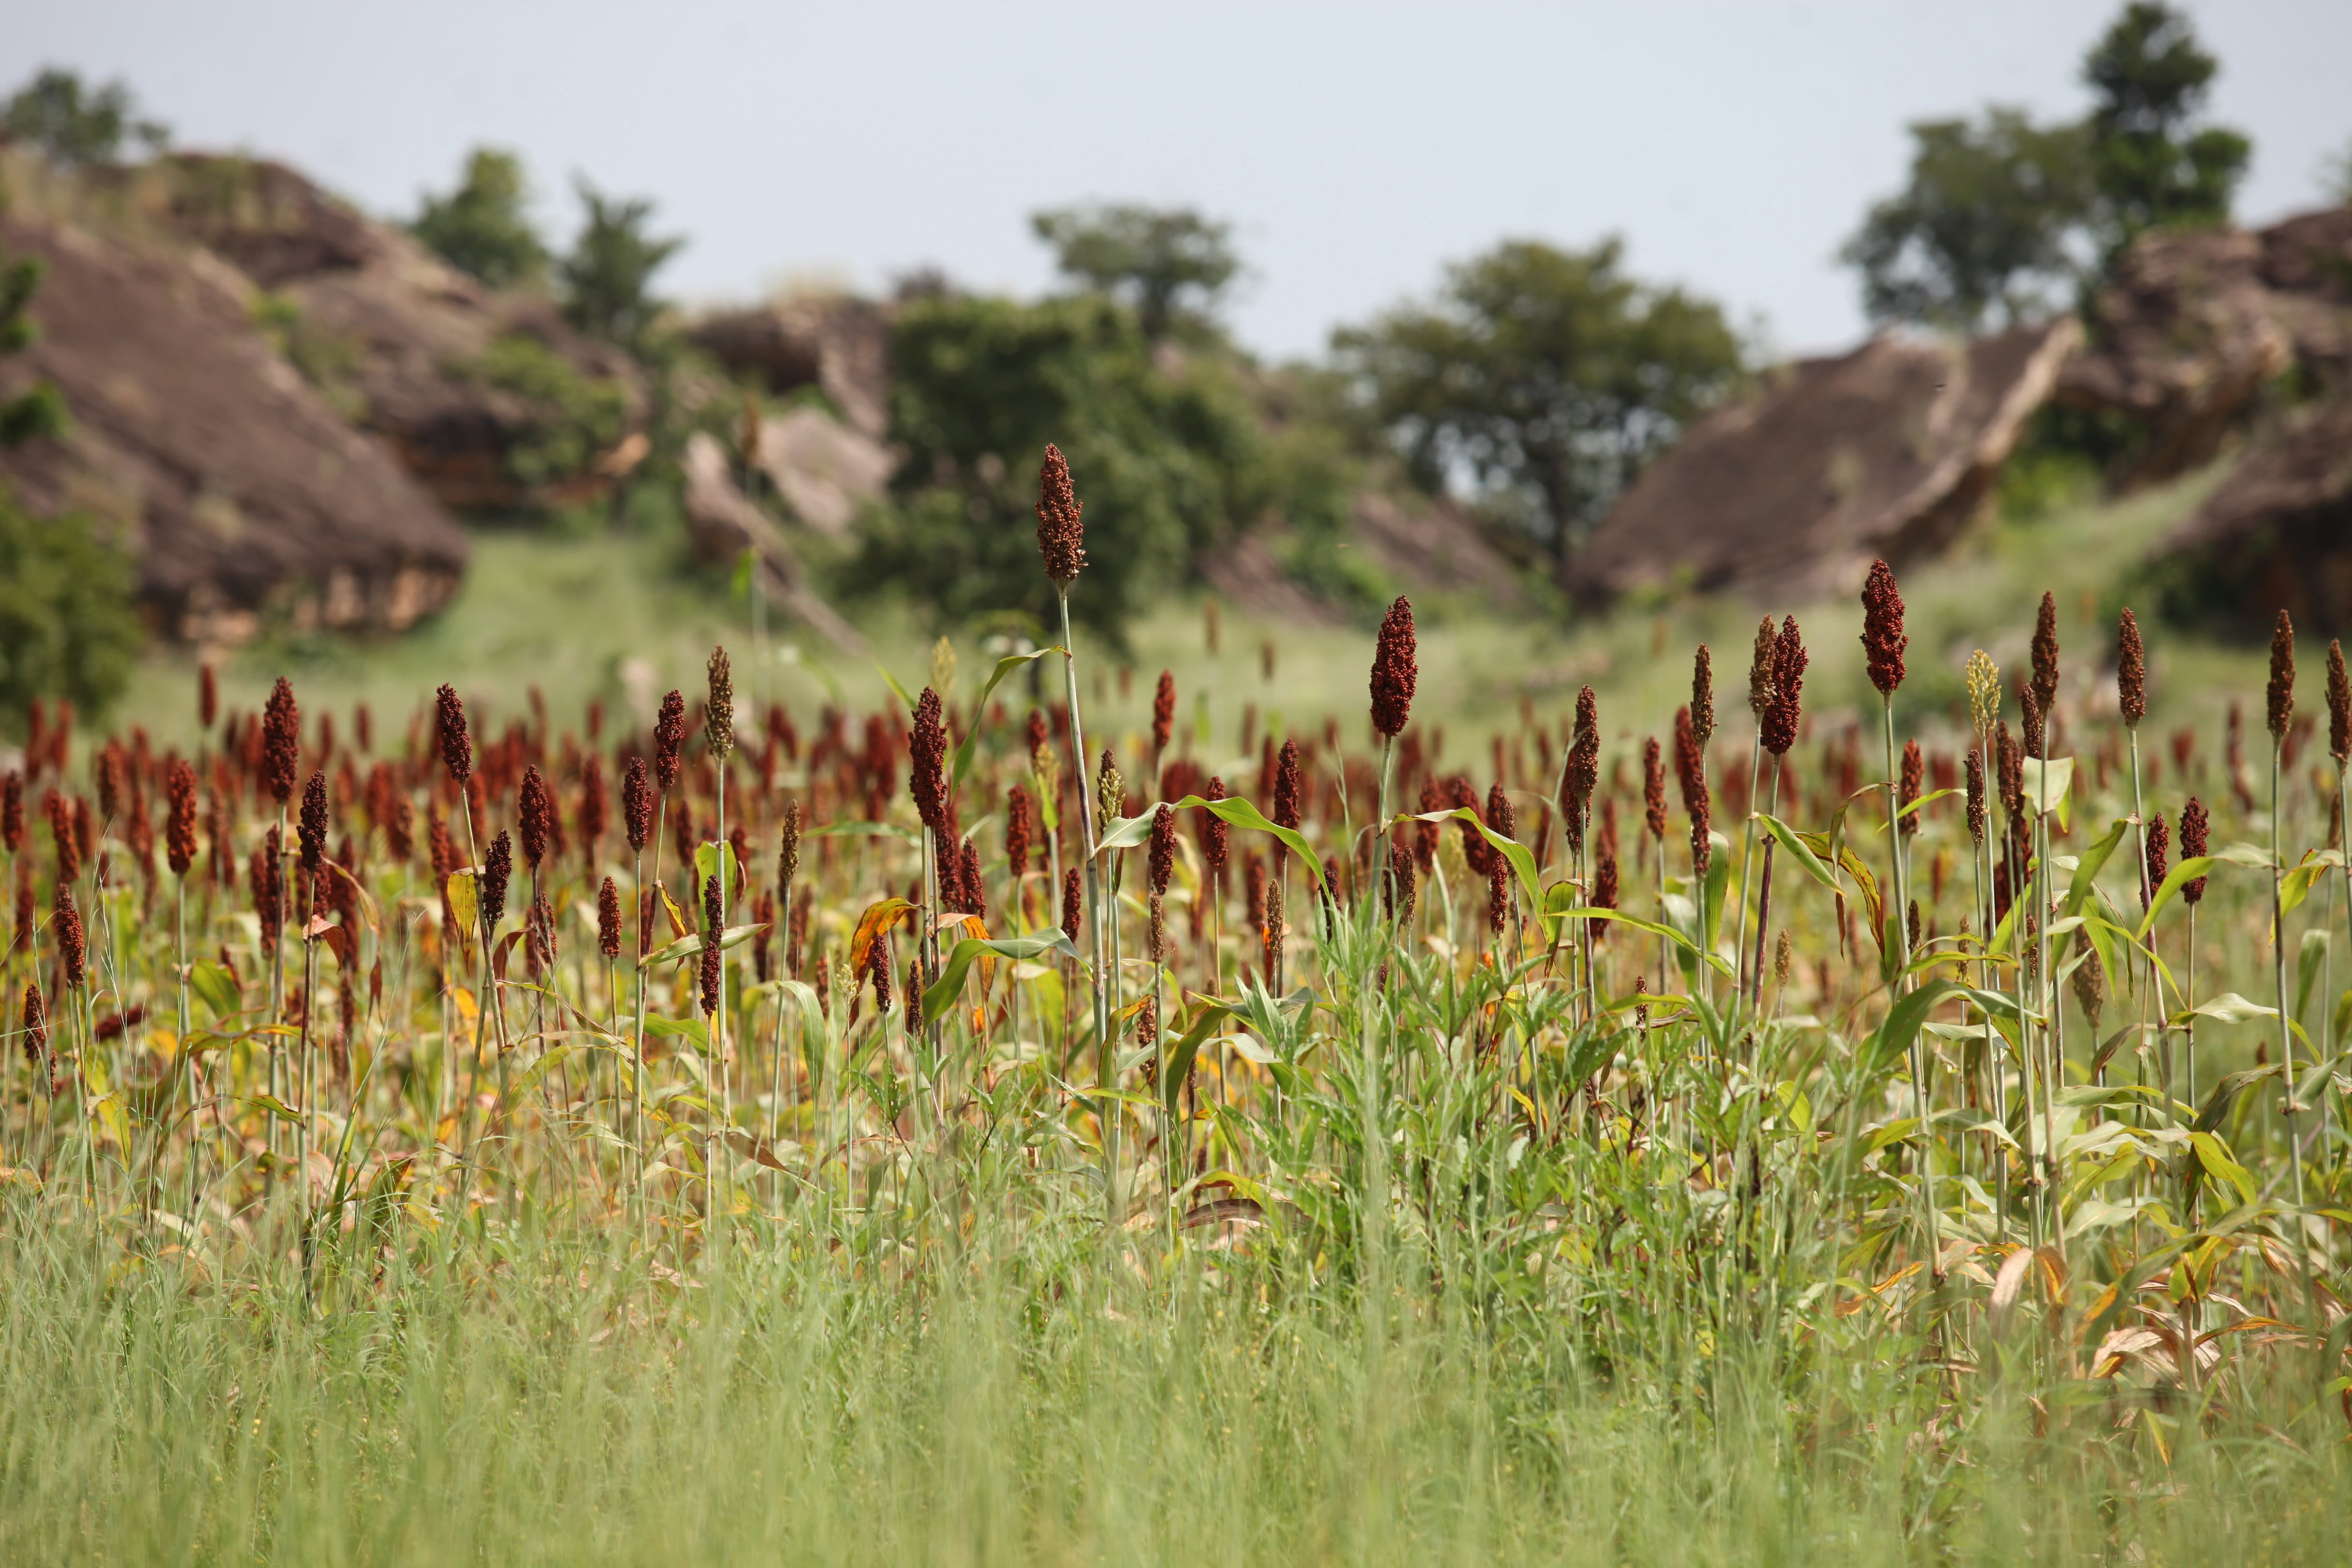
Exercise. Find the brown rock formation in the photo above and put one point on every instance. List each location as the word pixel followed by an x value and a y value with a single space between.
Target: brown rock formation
pixel 835 342
pixel 406 345
pixel 1888 451
pixel 2277 533
pixel 244 490
pixel 724 523
pixel 2195 325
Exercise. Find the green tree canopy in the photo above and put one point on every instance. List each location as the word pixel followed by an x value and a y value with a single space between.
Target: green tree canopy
pixel 67 623
pixel 1171 264
pixel 1165 463
pixel 481 227
pixel 2153 164
pixel 74 123
pixel 1988 229
pixel 2001 215
pixel 608 277
pixel 1547 377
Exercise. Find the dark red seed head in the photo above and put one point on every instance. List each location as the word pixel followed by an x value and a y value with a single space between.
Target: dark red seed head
pixel 1162 857
pixel 2131 671
pixel 714 927
pixel 310 828
pixel 180 816
pixel 1499 815
pixel 535 812
pixel 62 836
pixel 926 751
pixel 281 741
pixel 1581 774
pixel 207 697
pixel 497 870
pixel 1976 774
pixel 267 887
pixel 1912 786
pixel 2045 654
pixel 1703 695
pixel 2194 827
pixel 788 847
pixel 37 1023
pixel 1070 904
pixel 1164 712
pixel 2280 692
pixel 1787 708
pixel 1216 833
pixel 2339 706
pixel 636 804
pixel 73 948
pixel 1759 671
pixel 1883 638
pixel 1396 669
pixel 450 734
pixel 1017 830
pixel 670 741
pixel 12 810
pixel 608 919
pixel 1061 534
pixel 1690 762
pixel 1285 786
pixel 1653 788
pixel 718 706
pixel 2030 699
pixel 2160 844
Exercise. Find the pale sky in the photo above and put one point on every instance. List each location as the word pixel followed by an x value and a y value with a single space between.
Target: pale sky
pixel 1357 147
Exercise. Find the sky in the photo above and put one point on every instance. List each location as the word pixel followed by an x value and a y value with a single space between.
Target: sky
pixel 1356 147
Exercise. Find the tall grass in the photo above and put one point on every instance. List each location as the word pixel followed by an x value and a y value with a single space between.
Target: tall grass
pixel 1409 1201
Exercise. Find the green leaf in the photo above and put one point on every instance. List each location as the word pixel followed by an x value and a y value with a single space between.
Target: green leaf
pixel 1241 814
pixel 1005 667
pixel 2217 1104
pixel 276 1107
pixel 707 864
pixel 2308 961
pixel 903 694
pixel 1798 850
pixel 1186 1047
pixel 2296 885
pixel 2215 1159
pixel 215 985
pixel 691 947
pixel 1895 1033
pixel 2046 786
pixel 2089 864
pixel 2252 856
pixel 942 993
pixel 1125 833
pixel 2180 876
pixel 1680 939
pixel 2227 1007
pixel 680 1028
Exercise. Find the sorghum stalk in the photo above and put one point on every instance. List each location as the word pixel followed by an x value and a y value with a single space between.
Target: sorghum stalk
pixel 2281 717
pixel 2131 702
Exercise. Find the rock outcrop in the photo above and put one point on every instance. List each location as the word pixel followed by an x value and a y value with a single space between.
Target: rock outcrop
pixel 2196 325
pixel 824 471
pixel 724 523
pixel 488 397
pixel 838 344
pixel 246 492
pixel 1888 451
pixel 2276 534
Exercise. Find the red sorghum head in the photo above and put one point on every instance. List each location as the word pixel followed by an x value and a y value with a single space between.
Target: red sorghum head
pixel 281 741
pixel 2194 826
pixel 2131 671
pixel 497 870
pixel 1163 711
pixel 1759 671
pixel 310 828
pixel 670 741
pixel 608 919
pixel 1396 669
pixel 636 803
pixel 450 734
pixel 2281 690
pixel 2045 654
pixel 1883 638
pixel 1703 695
pixel 1061 533
pixel 73 947
pixel 926 751
pixel 180 816
pixel 718 706
pixel 535 813
pixel 1789 662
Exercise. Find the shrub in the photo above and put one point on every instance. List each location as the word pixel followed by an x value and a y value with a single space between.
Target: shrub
pixel 68 625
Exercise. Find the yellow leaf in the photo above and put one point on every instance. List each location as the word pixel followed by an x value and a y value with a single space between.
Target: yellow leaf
pixel 467 1007
pixel 670 907
pixel 463 901
pixel 878 919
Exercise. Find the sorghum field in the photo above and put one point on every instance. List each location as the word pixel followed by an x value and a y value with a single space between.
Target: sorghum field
pixel 972 1131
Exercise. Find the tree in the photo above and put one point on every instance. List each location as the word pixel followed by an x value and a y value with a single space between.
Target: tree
pixel 39 410
pixel 2001 214
pixel 1987 230
pixel 1171 264
pixel 78 125
pixel 1166 463
pixel 608 277
pixel 481 228
pixel 67 626
pixel 2153 166
pixel 1547 377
